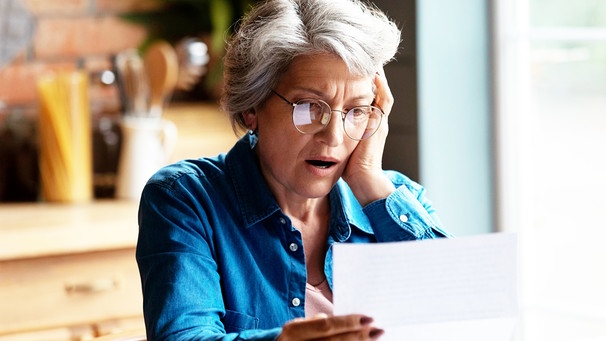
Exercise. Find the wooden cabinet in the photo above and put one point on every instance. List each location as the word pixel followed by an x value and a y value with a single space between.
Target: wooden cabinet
pixel 68 272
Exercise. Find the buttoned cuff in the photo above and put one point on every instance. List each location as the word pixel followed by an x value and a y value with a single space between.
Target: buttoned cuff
pixel 400 216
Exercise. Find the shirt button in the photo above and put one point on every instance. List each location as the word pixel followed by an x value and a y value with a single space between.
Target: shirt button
pixel 295 302
pixel 282 221
pixel 293 247
pixel 403 218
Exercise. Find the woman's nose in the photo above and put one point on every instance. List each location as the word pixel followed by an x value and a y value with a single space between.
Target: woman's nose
pixel 333 133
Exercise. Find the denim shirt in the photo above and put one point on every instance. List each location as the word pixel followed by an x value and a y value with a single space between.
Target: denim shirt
pixel 219 260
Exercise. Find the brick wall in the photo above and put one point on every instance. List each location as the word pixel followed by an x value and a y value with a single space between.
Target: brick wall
pixel 69 30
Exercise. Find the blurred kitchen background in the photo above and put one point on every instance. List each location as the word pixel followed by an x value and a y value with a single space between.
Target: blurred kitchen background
pixel 500 113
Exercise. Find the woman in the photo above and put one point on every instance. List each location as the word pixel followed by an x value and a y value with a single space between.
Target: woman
pixel 239 246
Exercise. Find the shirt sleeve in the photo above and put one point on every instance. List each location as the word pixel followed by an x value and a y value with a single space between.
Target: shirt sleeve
pixel 406 214
pixel 182 297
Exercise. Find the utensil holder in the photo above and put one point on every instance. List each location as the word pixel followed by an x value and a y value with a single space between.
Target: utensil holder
pixel 147 144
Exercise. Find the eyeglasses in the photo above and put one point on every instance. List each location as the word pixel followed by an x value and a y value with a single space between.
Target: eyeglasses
pixel 310 116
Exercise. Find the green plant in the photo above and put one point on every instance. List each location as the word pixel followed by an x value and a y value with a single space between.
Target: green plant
pixel 176 19
pixel 173 20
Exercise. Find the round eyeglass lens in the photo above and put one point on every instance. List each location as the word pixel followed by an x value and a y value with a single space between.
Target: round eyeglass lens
pixel 310 116
pixel 362 122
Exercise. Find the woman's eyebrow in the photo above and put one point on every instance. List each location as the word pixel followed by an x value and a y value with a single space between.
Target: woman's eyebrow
pixel 315 92
pixel 320 94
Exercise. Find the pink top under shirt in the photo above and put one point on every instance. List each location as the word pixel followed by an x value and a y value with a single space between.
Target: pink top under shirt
pixel 318 299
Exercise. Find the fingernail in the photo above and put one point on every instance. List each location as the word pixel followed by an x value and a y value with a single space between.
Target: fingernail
pixel 375 333
pixel 365 320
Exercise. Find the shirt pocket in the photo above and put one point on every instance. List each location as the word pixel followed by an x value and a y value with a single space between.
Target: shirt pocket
pixel 235 322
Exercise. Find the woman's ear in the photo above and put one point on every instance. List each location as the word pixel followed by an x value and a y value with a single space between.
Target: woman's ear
pixel 250 118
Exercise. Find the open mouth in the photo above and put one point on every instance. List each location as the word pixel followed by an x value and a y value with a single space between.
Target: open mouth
pixel 320 164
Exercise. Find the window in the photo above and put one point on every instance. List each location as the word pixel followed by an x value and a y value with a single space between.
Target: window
pixel 550 58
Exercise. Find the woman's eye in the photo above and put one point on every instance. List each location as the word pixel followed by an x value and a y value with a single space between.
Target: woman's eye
pixel 315 106
pixel 358 112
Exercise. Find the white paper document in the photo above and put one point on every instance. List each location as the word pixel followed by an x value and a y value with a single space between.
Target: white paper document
pixel 441 289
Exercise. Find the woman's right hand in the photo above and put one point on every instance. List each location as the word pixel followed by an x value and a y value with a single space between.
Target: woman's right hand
pixel 364 172
pixel 322 327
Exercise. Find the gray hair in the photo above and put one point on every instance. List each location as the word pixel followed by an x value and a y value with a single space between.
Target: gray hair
pixel 274 32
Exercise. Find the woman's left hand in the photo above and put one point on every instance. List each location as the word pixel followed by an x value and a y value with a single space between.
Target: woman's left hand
pixel 324 327
pixel 364 172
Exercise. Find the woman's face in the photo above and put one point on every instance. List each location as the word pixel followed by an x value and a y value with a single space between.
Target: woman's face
pixel 300 166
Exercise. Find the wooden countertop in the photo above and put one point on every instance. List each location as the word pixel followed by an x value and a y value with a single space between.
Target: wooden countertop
pixel 44 229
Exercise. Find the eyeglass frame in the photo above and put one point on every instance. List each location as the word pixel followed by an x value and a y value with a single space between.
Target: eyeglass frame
pixel 344 114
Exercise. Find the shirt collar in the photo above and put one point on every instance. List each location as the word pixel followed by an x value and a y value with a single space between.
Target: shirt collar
pixel 257 203
pixel 346 211
pixel 255 200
